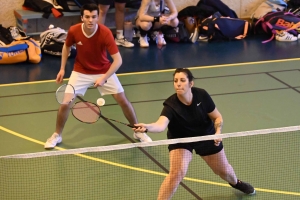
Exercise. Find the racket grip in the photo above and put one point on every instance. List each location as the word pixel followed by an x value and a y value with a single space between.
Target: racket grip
pixel 94 83
pixel 146 131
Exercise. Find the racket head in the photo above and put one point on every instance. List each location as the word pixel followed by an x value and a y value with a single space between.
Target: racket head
pixel 86 112
pixel 65 94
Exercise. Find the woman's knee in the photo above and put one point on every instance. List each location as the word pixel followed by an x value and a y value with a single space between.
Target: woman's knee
pixel 174 22
pixel 145 25
pixel 177 175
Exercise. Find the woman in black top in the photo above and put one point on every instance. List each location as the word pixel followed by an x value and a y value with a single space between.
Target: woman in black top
pixel 191 112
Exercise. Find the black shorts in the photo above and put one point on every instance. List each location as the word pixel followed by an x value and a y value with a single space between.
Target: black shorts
pixel 202 148
pixel 109 2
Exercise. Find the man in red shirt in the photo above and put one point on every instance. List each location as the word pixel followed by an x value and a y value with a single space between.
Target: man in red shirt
pixel 92 66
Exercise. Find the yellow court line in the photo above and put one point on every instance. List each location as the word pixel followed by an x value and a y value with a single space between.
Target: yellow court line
pixel 140 169
pixel 26 83
pixel 168 70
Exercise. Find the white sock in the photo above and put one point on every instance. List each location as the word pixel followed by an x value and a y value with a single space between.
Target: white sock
pixel 119 34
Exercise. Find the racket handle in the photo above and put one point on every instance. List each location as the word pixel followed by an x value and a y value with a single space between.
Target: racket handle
pixel 137 127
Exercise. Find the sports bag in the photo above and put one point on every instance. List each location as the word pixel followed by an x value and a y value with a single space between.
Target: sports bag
pixel 278 21
pixel 21 51
pixel 52 41
pixel 218 28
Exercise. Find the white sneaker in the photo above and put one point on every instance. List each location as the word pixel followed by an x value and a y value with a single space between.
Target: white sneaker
pixel 144 41
pixel 194 36
pixel 123 42
pixel 285 37
pixel 53 141
pixel 160 40
pixel 143 137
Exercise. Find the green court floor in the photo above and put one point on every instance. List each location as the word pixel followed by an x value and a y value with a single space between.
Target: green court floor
pixel 250 96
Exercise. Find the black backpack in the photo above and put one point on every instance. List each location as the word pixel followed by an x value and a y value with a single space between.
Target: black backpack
pixel 177 34
pixel 73 5
pixel 47 7
pixel 5 36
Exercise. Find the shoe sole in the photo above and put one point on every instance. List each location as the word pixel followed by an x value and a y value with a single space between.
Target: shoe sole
pixel 286 40
pixel 119 44
pixel 54 146
pixel 253 193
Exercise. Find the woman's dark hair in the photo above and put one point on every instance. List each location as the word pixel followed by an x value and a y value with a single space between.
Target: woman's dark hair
pixel 90 7
pixel 186 71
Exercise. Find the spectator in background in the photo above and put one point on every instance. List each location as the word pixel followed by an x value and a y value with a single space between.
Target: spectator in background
pixel 155 15
pixel 119 19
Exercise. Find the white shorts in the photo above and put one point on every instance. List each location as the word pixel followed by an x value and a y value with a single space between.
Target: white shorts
pixel 81 82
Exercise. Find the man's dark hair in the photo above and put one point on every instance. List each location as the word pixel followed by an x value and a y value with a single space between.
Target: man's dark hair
pixel 90 7
pixel 186 71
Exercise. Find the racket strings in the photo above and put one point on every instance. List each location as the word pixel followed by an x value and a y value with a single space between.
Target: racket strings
pixel 86 112
pixel 65 94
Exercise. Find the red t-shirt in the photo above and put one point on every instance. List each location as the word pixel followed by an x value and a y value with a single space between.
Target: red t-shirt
pixel 91 55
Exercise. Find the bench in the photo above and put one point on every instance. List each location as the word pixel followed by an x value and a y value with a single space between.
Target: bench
pixel 33 23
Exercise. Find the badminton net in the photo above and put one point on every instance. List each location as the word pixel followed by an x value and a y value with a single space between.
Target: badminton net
pixel 268 159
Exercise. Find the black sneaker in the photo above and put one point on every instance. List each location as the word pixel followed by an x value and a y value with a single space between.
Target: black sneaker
pixel 244 187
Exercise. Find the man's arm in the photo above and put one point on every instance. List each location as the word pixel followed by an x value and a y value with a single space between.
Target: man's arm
pixel 64 57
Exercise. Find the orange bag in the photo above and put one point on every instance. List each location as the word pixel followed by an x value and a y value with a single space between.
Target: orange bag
pixel 21 50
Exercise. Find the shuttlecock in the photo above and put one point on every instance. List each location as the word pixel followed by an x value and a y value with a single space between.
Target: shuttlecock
pixel 100 102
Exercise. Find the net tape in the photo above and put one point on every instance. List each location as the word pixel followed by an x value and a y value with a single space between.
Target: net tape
pixel 154 143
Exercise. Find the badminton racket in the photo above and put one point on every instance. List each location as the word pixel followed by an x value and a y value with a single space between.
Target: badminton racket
pixel 88 112
pixel 65 94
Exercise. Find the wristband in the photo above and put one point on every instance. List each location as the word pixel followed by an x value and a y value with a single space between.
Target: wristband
pixel 156 19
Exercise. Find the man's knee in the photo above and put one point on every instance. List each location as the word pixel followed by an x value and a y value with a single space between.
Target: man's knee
pixel 121 99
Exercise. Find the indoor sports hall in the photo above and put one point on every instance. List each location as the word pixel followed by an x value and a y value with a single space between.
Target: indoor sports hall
pixel 255 86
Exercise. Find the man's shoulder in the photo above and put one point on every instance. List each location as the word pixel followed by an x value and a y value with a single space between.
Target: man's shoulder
pixel 104 29
pixel 75 27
